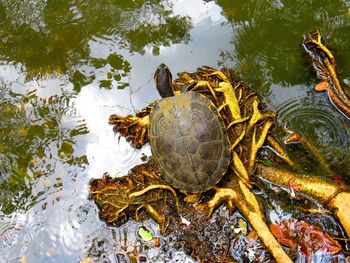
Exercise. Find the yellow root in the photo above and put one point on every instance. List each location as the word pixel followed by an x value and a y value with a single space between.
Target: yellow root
pixel 236 142
pixel 221 195
pixel 249 206
pixel 206 84
pixel 238 121
pixel 325 68
pixel 280 151
pixel 315 38
pixel 256 145
pixel 120 210
pixel 294 136
pixel 240 168
pixel 237 192
pixel 155 186
pixel 230 99
pixel 331 195
pixel 220 74
pixel 258 116
pixel 131 127
pixel 161 219
pixel 222 107
pixel 144 121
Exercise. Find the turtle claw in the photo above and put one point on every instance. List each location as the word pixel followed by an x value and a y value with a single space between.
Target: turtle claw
pixel 135 129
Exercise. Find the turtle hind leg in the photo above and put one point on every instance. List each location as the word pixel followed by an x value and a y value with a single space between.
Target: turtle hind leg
pixel 134 129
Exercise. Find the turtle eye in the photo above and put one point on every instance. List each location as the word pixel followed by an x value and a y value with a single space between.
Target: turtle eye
pixel 167 72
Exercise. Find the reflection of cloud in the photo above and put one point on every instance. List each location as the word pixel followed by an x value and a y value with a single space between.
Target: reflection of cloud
pixel 198 10
pixel 15 76
pixel 104 152
pixel 10 72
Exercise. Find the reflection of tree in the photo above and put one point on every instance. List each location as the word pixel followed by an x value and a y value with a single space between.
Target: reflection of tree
pixel 32 143
pixel 269 36
pixel 55 35
pixel 116 70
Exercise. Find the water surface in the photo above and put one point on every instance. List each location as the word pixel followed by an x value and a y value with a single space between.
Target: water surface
pixel 65 66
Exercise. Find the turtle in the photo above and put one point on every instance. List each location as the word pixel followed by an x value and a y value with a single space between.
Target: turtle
pixel 233 115
pixel 188 137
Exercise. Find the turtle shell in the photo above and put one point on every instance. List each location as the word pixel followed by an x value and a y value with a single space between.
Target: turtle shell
pixel 189 141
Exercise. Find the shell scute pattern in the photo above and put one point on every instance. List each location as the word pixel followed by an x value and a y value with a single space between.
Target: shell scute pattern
pixel 210 150
pixel 184 145
pixel 189 142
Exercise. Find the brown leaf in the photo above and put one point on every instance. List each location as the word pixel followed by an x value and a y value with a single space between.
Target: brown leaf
pixel 307 238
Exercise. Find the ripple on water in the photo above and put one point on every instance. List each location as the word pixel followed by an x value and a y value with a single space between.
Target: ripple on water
pixel 16 232
pixel 316 119
pixel 80 225
pixel 104 151
pixel 82 215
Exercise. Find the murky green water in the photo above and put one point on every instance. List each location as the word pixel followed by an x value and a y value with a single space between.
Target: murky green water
pixel 65 66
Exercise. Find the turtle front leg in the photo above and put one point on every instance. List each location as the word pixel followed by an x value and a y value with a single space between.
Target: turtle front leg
pixel 135 129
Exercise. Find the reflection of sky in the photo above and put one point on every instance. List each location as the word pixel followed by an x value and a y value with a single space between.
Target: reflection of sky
pixel 203 49
pixel 94 105
pixel 14 76
pixel 199 11
pixel 104 152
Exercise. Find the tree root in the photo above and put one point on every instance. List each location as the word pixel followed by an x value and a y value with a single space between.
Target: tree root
pixel 332 196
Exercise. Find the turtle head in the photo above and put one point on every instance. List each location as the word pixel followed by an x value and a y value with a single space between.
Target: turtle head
pixel 163 79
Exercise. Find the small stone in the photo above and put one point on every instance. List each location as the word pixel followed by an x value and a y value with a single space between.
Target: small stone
pixel 156 241
pixel 185 221
pixel 142 258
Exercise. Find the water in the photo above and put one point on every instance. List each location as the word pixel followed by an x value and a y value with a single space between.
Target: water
pixel 65 66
